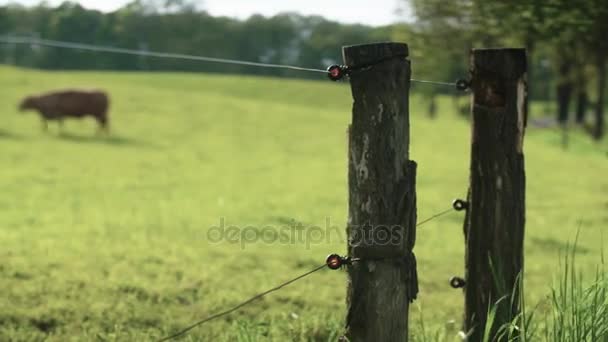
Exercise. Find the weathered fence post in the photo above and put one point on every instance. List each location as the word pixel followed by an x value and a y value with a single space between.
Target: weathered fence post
pixel 382 196
pixel 494 223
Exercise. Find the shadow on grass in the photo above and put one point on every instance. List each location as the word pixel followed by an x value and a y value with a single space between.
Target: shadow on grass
pixel 551 244
pixel 113 140
pixel 9 135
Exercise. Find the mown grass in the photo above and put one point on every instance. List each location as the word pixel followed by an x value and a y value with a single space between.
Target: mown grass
pixel 106 238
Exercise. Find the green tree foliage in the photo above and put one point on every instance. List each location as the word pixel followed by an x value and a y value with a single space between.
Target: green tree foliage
pixel 177 26
pixel 567 37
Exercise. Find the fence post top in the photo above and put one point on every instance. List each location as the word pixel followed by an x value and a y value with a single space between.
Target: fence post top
pixel 372 53
pixel 510 63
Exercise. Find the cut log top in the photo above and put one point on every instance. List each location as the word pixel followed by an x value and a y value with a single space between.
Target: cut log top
pixel 365 54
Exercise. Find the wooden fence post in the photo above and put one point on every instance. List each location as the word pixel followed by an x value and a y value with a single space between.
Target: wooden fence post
pixel 494 222
pixel 382 195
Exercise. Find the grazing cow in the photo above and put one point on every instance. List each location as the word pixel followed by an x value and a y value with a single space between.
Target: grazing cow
pixel 69 103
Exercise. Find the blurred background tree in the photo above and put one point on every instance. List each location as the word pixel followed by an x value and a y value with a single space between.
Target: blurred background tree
pixel 566 42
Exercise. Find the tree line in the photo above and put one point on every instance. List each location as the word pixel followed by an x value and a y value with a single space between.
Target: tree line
pixel 178 27
pixel 565 39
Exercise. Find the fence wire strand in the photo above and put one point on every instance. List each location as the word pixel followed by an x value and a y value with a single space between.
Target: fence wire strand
pixel 451 84
pixel 146 53
pixel 238 306
pixel 98 48
pixel 439 214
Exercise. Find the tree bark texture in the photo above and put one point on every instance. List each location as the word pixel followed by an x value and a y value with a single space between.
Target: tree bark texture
pixel 495 218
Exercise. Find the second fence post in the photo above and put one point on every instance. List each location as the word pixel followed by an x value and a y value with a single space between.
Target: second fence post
pixel 494 223
pixel 382 194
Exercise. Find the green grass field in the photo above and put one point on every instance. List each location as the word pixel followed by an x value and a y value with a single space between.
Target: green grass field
pixel 105 238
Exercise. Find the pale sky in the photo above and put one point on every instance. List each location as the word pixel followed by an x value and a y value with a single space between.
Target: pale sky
pixel 369 12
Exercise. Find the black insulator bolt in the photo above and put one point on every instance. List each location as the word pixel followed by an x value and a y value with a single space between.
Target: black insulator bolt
pixel 463 84
pixel 457 282
pixel 460 204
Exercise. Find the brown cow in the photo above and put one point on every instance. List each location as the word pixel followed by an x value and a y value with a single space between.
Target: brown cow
pixel 69 103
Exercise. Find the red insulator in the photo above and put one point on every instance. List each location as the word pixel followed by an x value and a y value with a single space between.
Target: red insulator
pixel 334 261
pixel 335 72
